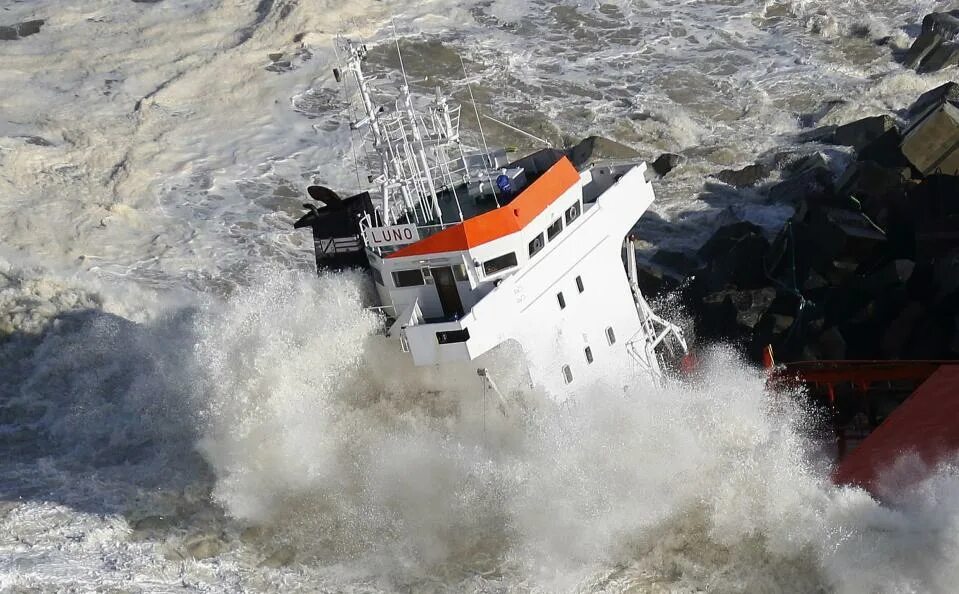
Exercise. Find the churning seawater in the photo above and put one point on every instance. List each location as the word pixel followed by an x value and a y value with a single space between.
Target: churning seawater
pixel 185 405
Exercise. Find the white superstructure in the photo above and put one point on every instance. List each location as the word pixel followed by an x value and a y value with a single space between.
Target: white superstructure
pixel 462 267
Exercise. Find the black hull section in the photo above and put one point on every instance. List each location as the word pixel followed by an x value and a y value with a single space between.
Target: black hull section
pixel 337 239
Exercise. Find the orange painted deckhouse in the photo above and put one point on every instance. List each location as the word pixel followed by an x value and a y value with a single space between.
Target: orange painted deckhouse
pixel 502 221
pixel 534 260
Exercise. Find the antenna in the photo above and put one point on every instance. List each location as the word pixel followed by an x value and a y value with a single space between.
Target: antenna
pixel 469 87
pixel 417 135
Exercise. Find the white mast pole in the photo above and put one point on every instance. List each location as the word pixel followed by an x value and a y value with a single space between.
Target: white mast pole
pixel 417 137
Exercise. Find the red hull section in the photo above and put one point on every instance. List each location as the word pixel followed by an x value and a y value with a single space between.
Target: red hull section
pixel 926 424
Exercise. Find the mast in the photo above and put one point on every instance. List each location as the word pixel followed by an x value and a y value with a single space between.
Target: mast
pixel 419 157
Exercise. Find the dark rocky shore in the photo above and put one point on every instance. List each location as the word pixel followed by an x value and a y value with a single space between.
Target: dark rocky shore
pixel 868 266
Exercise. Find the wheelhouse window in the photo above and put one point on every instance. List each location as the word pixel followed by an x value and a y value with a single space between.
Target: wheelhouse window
pixel 561 300
pixel 536 245
pixel 572 213
pixel 579 284
pixel 610 336
pixel 589 355
pixel 499 263
pixel 567 374
pixel 407 278
pixel 554 229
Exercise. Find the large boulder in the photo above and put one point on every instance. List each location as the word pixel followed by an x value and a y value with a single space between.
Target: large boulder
pixel 813 183
pixel 941 94
pixel 932 143
pixel 20 30
pixel 596 148
pixel 868 179
pixel 734 258
pixel 748 176
pixel 860 133
pixel 935 47
pixel 667 162
pixel 885 150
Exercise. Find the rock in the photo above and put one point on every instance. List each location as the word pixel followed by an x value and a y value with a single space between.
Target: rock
pixel 814 281
pixel 793 164
pixel 153 524
pixel 251 534
pixel 20 30
pixel 811 185
pixel 724 238
pixel 281 557
pixel 930 338
pixel 864 179
pixel 734 258
pixel 731 314
pixel 831 242
pixel 932 143
pixel 831 344
pixel 745 177
pixel 945 274
pixel 716 318
pixel 666 163
pixel 822 134
pixel 596 148
pixel 934 48
pixel 655 280
pixel 280 66
pixel 943 56
pixel 860 236
pixel 931 214
pixel 36 140
pixel 943 23
pixel 773 329
pixel 204 547
pixel 946 92
pixel 677 262
pixel 860 133
pixel 924 45
pixel 897 272
pixel 885 150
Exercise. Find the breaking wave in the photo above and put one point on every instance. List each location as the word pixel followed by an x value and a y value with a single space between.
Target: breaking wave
pixel 287 408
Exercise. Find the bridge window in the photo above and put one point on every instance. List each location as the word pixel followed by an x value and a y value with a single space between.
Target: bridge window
pixel 453 336
pixel 579 284
pixel 554 229
pixel 499 263
pixel 610 336
pixel 567 374
pixel 589 355
pixel 572 213
pixel 536 245
pixel 407 278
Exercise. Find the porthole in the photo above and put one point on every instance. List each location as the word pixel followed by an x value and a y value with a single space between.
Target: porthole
pixel 561 300
pixel 610 336
pixel 554 229
pixel 536 245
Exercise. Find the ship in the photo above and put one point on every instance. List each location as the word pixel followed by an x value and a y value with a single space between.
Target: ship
pixel 469 249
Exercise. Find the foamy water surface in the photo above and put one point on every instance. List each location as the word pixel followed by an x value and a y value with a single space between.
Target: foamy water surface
pixel 176 383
